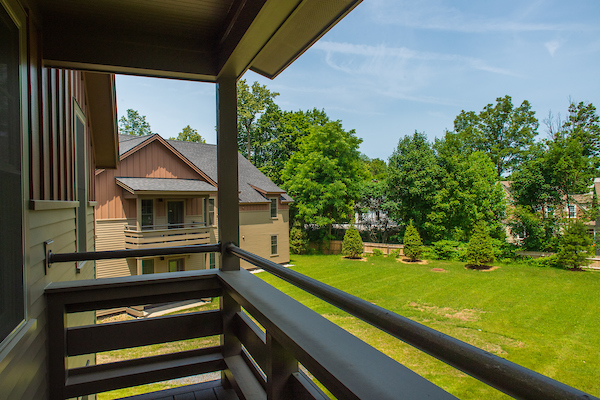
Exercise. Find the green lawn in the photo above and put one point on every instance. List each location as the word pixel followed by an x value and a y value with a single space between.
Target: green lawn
pixel 545 319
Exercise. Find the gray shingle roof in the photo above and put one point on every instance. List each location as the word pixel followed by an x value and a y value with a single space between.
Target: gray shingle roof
pixel 166 184
pixel 204 156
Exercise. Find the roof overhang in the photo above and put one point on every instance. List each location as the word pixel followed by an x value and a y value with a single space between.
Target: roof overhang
pixel 102 107
pixel 165 187
pixel 266 192
pixel 196 40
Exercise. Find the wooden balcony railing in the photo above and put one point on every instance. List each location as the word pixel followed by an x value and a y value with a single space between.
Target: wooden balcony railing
pixel 166 235
pixel 257 363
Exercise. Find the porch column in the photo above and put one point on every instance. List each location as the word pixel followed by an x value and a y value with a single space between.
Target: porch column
pixel 227 173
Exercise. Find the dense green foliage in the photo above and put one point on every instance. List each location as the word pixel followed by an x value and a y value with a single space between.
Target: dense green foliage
pixel 251 102
pixel 502 131
pixel 134 124
pixel 413 245
pixel 414 178
pixel 352 246
pixel 444 250
pixel 575 246
pixel 480 250
pixel 189 134
pixel 323 176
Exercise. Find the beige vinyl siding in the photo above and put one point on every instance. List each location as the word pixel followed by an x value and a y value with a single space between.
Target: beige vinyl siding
pixel 23 365
pixel 256 229
pixel 111 236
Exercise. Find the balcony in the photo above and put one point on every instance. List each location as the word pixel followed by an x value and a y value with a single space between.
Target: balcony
pixel 183 234
pixel 265 337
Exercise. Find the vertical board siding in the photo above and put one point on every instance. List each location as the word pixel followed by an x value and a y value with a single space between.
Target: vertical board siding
pixel 151 161
pixel 52 149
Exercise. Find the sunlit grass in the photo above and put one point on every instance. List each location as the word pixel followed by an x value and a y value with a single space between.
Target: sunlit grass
pixel 544 319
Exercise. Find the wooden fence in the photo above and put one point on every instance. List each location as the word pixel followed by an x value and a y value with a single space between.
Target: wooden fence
pixel 335 247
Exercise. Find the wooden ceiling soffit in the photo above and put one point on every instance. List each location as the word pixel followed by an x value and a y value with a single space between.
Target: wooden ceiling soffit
pixel 101 98
pixel 157 38
pixel 307 24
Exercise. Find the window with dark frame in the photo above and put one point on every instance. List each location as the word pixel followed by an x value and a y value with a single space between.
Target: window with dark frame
pixel 81 181
pixel 176 265
pixel 12 304
pixel 273 208
pixel 212 260
pixel 211 212
pixel 147 266
pixel 273 245
pixel 147 214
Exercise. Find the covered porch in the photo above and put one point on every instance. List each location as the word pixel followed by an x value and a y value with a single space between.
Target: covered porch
pixel 264 336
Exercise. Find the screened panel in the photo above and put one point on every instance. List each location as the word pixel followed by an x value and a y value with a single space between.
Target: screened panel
pixel 12 310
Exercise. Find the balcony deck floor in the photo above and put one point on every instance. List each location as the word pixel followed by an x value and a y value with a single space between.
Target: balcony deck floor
pixel 212 390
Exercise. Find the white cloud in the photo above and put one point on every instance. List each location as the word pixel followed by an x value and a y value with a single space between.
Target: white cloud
pixel 436 15
pixel 382 59
pixel 552 46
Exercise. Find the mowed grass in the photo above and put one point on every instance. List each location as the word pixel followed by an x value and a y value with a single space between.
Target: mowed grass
pixel 547 320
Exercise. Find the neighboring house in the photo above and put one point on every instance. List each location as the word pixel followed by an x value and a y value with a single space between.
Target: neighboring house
pixel 164 193
pixel 575 209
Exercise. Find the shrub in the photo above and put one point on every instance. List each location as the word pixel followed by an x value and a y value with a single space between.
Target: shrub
pixel 480 250
pixel 394 253
pixel 548 261
pixel 575 246
pixel 413 246
pixel 377 252
pixel 352 246
pixel 444 250
pixel 298 241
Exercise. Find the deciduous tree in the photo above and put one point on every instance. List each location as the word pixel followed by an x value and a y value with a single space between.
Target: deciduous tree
pixel 189 134
pixel 323 176
pixel 134 124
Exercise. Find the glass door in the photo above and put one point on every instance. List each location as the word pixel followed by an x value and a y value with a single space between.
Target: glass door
pixel 175 214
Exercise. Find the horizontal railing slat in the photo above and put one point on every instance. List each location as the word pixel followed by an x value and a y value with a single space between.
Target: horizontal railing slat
pixel 96 294
pixel 122 374
pixel 347 366
pixel 511 378
pixel 112 254
pixel 126 334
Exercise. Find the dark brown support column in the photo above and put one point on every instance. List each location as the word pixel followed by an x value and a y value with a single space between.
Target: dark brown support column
pixel 227 170
pixel 280 367
pixel 228 204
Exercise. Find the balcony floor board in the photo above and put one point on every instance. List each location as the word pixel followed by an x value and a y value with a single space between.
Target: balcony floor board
pixel 212 390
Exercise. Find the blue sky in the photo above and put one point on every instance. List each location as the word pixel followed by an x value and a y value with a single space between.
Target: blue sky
pixel 393 66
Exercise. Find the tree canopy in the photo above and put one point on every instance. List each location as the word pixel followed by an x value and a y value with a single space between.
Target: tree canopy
pixel 323 176
pixel 134 124
pixel 252 101
pixel 502 131
pixel 189 134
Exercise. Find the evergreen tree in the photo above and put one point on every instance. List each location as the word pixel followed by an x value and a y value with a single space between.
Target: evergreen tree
pixel 298 240
pixel 413 246
pixel 352 246
pixel 575 246
pixel 480 250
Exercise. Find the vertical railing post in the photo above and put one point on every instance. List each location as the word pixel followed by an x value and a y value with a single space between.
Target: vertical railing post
pixel 57 349
pixel 280 367
pixel 228 205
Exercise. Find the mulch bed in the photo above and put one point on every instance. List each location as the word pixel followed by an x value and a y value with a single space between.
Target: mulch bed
pixel 407 261
pixel 482 268
pixel 438 270
pixel 354 259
